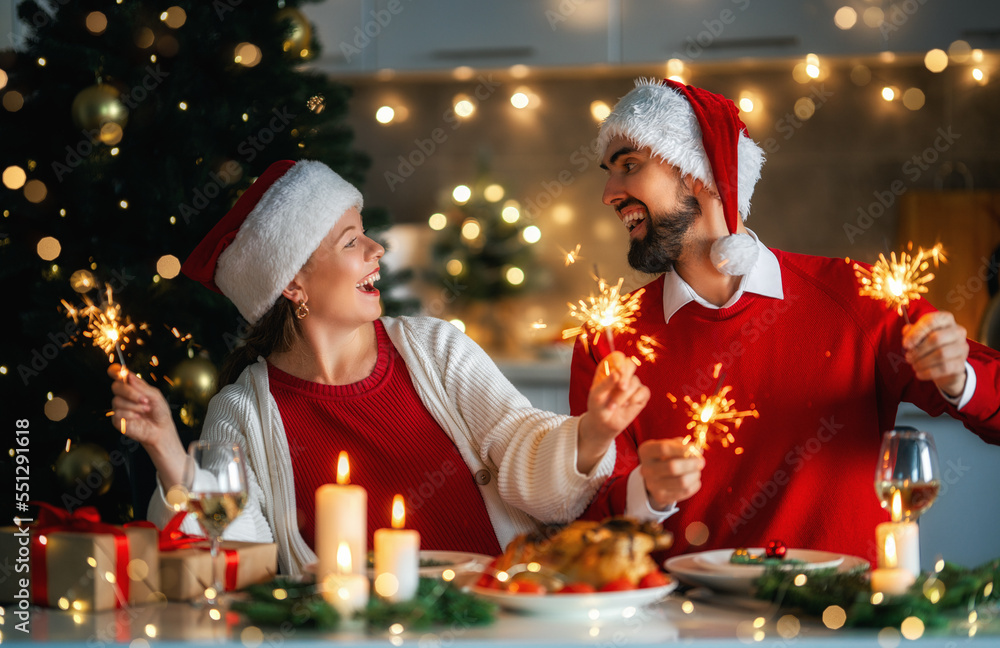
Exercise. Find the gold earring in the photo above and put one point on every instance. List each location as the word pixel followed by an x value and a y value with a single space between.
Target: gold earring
pixel 302 310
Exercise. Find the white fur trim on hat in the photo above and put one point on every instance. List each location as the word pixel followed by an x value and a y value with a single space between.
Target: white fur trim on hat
pixel 280 234
pixel 734 255
pixel 659 117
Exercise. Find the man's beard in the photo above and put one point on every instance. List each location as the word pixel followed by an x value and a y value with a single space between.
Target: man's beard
pixel 661 247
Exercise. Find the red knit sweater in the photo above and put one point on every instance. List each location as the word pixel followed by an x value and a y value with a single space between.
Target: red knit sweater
pixel 394 446
pixel 825 369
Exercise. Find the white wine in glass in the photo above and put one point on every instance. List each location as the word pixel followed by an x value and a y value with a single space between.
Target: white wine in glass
pixel 907 469
pixel 217 496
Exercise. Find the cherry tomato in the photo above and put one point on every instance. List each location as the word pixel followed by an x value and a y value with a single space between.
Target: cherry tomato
pixel 526 587
pixel 617 585
pixel 577 588
pixel 654 579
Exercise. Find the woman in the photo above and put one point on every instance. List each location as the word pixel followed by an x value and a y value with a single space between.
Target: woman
pixel 410 399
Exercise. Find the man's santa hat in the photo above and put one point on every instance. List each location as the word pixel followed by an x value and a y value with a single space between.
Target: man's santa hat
pixel 259 246
pixel 701 134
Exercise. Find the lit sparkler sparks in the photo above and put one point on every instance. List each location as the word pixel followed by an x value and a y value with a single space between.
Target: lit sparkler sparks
pixel 106 327
pixel 647 346
pixel 572 256
pixel 712 417
pixel 898 283
pixel 607 313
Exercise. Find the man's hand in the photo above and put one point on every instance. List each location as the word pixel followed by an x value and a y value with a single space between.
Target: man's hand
pixel 616 398
pixel 671 471
pixel 936 347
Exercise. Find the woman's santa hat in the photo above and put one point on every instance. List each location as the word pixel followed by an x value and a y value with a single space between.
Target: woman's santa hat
pixel 259 246
pixel 701 134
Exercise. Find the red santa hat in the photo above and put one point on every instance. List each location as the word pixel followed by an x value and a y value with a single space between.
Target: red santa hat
pixel 701 134
pixel 259 246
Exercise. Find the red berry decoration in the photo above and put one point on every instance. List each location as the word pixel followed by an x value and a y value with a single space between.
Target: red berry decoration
pixel 776 549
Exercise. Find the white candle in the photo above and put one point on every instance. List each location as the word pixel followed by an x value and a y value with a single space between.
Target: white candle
pixel 346 591
pixel 341 516
pixel 888 578
pixel 397 557
pixel 905 541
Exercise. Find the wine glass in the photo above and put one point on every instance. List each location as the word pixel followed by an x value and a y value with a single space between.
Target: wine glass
pixel 216 497
pixel 908 465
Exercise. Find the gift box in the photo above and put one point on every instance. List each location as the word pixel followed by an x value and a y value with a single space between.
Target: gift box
pixel 74 561
pixel 185 573
pixel 186 563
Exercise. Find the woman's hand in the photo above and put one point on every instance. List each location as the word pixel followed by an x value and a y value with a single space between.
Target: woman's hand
pixel 616 398
pixel 147 419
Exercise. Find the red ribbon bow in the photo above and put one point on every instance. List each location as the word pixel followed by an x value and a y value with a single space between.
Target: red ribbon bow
pixel 172 538
pixel 85 519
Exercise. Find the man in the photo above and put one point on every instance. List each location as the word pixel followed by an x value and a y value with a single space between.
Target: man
pixel 825 368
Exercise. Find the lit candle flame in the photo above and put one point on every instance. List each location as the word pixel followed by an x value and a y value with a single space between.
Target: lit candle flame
pixel 343 558
pixel 607 313
pixel 343 469
pixel 712 417
pixel 398 512
pixel 897 506
pixel 890 551
pixel 899 282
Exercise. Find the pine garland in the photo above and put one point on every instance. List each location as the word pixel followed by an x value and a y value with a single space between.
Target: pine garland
pixel 436 603
pixel 934 598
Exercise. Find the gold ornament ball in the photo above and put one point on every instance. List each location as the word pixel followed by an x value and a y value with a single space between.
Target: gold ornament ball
pixel 85 470
pixel 299 34
pixel 99 111
pixel 195 381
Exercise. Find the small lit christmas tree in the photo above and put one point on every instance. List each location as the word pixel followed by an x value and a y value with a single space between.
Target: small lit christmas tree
pixel 484 252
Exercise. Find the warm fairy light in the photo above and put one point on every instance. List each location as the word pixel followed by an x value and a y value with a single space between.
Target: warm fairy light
pixel 343 558
pixel 608 312
pixel 712 417
pixel 599 110
pixel 174 17
pixel 437 222
pixel 873 17
pixel 48 248
pixel 936 60
pixel 343 469
pixel 897 283
pixel 845 18
pixel 519 100
pixel 96 22
pixel 746 102
pixel 463 106
pixel 573 255
pixel 454 267
pixel 385 114
pixel 14 177
pixel 493 193
pixel 183 105
pixel 461 194
pixel 531 234
pixel 398 512
pixel 514 276
pixel 888 93
pixel 510 214
pixel 471 229
pixel 168 266
pixel 247 54
pixel 457 323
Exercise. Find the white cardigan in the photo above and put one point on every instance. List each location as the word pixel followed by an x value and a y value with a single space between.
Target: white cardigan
pixel 530 454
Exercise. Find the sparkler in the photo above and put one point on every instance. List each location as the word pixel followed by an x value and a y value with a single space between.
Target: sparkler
pixel 572 256
pixel 607 313
pixel 106 327
pixel 712 417
pixel 898 283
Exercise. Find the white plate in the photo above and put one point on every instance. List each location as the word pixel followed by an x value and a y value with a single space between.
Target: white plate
pixel 718 561
pixel 606 603
pixel 688 568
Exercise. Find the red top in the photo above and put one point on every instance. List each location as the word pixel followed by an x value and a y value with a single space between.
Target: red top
pixel 394 446
pixel 825 370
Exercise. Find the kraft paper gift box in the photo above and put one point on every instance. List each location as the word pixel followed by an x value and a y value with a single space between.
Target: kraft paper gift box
pixel 185 573
pixel 83 570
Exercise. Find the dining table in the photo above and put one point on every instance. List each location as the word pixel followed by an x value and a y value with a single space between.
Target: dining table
pixel 694 616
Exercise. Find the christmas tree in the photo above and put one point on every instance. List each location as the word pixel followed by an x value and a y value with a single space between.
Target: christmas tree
pixel 129 129
pixel 483 253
